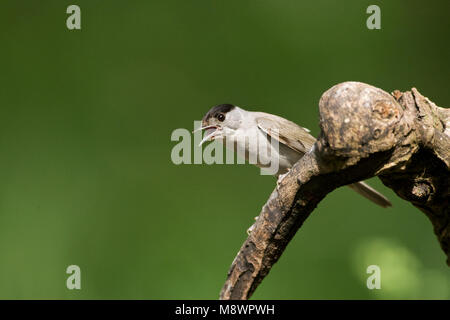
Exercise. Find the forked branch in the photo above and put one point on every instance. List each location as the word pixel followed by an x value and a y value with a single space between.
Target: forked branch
pixel 402 138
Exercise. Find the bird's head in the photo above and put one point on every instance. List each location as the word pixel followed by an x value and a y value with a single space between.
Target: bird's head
pixel 220 121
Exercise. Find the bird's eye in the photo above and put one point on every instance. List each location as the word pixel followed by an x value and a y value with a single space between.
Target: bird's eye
pixel 220 117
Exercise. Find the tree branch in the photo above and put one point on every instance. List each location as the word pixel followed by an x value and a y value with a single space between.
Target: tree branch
pixel 402 138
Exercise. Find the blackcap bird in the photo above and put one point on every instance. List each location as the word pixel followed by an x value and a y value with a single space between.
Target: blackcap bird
pixel 254 134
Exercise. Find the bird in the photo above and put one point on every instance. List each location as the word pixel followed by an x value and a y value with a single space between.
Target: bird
pixel 239 129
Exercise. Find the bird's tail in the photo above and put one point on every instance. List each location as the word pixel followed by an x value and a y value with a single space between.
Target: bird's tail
pixel 370 193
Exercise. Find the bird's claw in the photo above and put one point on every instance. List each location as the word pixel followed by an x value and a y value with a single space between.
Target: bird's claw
pixel 249 230
pixel 281 177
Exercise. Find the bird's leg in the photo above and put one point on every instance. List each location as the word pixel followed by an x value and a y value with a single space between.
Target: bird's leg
pixel 281 177
pixel 249 230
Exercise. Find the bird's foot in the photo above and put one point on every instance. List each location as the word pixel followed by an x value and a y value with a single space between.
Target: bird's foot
pixel 281 177
pixel 249 230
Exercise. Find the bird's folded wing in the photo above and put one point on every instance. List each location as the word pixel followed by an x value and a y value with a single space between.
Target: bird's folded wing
pixel 286 132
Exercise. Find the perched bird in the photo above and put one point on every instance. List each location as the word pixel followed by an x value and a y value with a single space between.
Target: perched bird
pixel 241 129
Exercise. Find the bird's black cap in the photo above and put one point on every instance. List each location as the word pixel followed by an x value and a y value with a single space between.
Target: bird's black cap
pixel 214 111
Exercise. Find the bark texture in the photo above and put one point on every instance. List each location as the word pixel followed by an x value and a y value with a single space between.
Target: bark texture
pixel 403 138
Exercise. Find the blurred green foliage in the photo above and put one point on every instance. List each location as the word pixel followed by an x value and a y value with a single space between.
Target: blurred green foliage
pixel 85 124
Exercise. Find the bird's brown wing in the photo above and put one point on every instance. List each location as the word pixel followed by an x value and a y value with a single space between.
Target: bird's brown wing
pixel 286 132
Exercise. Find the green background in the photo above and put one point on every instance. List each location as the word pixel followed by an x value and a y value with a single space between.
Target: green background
pixel 86 117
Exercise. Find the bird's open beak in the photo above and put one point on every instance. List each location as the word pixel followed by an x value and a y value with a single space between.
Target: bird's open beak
pixel 210 133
